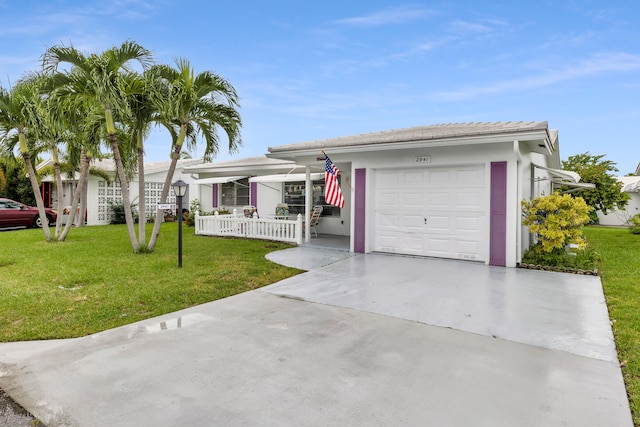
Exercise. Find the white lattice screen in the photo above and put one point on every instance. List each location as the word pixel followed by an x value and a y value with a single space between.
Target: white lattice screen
pixel 109 193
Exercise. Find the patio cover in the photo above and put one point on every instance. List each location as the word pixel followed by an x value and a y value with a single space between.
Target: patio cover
pixel 630 184
pixel 291 177
pixel 561 177
pixel 218 179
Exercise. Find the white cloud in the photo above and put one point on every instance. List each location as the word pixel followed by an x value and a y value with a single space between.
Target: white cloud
pixel 599 64
pixel 464 27
pixel 386 17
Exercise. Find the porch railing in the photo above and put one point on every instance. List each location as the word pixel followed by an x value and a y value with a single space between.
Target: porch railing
pixel 237 225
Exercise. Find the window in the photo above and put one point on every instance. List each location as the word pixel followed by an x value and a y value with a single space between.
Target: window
pixel 235 193
pixel 294 197
pixel 7 204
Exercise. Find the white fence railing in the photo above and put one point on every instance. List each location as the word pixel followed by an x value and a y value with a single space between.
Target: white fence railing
pixel 237 225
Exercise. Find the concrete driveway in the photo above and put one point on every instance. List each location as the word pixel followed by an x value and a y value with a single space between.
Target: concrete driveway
pixel 358 340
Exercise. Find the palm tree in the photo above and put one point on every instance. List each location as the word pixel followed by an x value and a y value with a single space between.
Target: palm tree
pixel 191 105
pixel 84 143
pixel 49 130
pixel 18 121
pixel 99 78
pixel 143 113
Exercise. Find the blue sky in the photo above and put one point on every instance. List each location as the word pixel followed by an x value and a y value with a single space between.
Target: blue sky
pixel 315 70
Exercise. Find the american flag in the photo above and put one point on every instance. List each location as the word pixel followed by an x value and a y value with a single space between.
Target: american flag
pixel 332 191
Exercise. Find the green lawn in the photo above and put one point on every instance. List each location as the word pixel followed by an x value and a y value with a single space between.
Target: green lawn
pixel 93 281
pixel 620 274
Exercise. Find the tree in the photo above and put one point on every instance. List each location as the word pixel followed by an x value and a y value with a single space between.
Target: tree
pixel 593 169
pixel 144 113
pixel 100 78
pixel 190 105
pixel 17 185
pixel 18 119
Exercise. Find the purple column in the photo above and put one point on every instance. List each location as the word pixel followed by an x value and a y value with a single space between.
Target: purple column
pixel 359 210
pixel 215 195
pixel 498 215
pixel 253 194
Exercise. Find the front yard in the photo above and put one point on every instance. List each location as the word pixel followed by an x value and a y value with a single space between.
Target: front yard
pixel 93 282
pixel 620 274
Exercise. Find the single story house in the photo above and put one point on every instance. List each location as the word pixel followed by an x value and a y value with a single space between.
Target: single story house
pixel 101 193
pixel 621 217
pixel 446 190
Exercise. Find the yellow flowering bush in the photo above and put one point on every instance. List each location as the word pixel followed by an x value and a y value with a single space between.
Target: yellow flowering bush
pixel 557 220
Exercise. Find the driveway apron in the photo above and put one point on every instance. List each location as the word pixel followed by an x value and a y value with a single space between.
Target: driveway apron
pixel 365 340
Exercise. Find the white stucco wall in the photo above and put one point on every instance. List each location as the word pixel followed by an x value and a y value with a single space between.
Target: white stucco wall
pixel 621 217
pixel 204 194
pixel 269 195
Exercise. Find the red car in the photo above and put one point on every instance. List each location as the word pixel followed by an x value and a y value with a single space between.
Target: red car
pixel 15 214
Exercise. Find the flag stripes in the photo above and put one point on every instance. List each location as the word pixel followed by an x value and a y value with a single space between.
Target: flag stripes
pixel 332 191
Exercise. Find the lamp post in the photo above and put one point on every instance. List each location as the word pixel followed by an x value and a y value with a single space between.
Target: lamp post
pixel 180 189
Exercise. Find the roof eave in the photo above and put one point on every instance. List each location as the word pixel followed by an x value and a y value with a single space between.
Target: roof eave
pixel 534 135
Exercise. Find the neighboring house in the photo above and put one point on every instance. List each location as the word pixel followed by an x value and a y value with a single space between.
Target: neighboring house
pixel 101 193
pixel 620 217
pixel 449 191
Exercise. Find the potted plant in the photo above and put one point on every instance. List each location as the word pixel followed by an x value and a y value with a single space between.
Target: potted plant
pixel 169 216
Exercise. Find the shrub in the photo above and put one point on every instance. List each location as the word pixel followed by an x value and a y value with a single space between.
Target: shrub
pixel 116 213
pixel 556 221
pixel 635 224
pixel 195 208
pixel 585 259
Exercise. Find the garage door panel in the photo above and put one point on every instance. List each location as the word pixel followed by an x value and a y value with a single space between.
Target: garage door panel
pixel 465 199
pixel 438 224
pixel 438 178
pixel 388 200
pixel 473 177
pixel 388 179
pixel 468 224
pixel 440 247
pixel 452 200
pixel 438 199
pixel 467 250
pixel 413 223
pixel 412 200
pixel 413 179
pixel 387 242
pixel 388 221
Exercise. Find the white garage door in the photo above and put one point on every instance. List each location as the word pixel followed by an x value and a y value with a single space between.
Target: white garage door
pixel 437 212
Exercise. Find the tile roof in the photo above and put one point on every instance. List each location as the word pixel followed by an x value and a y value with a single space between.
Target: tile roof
pixel 421 133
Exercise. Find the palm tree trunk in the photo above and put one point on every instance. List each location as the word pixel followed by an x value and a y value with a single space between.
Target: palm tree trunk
pixel 165 191
pixel 58 178
pixel 84 170
pixel 142 206
pixel 36 192
pixel 85 188
pixel 126 200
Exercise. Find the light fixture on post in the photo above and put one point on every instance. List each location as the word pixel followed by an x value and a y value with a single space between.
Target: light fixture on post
pixel 180 189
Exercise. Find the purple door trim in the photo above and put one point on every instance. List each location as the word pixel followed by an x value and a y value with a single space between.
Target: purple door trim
pixel 498 215
pixel 359 210
pixel 214 196
pixel 253 194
